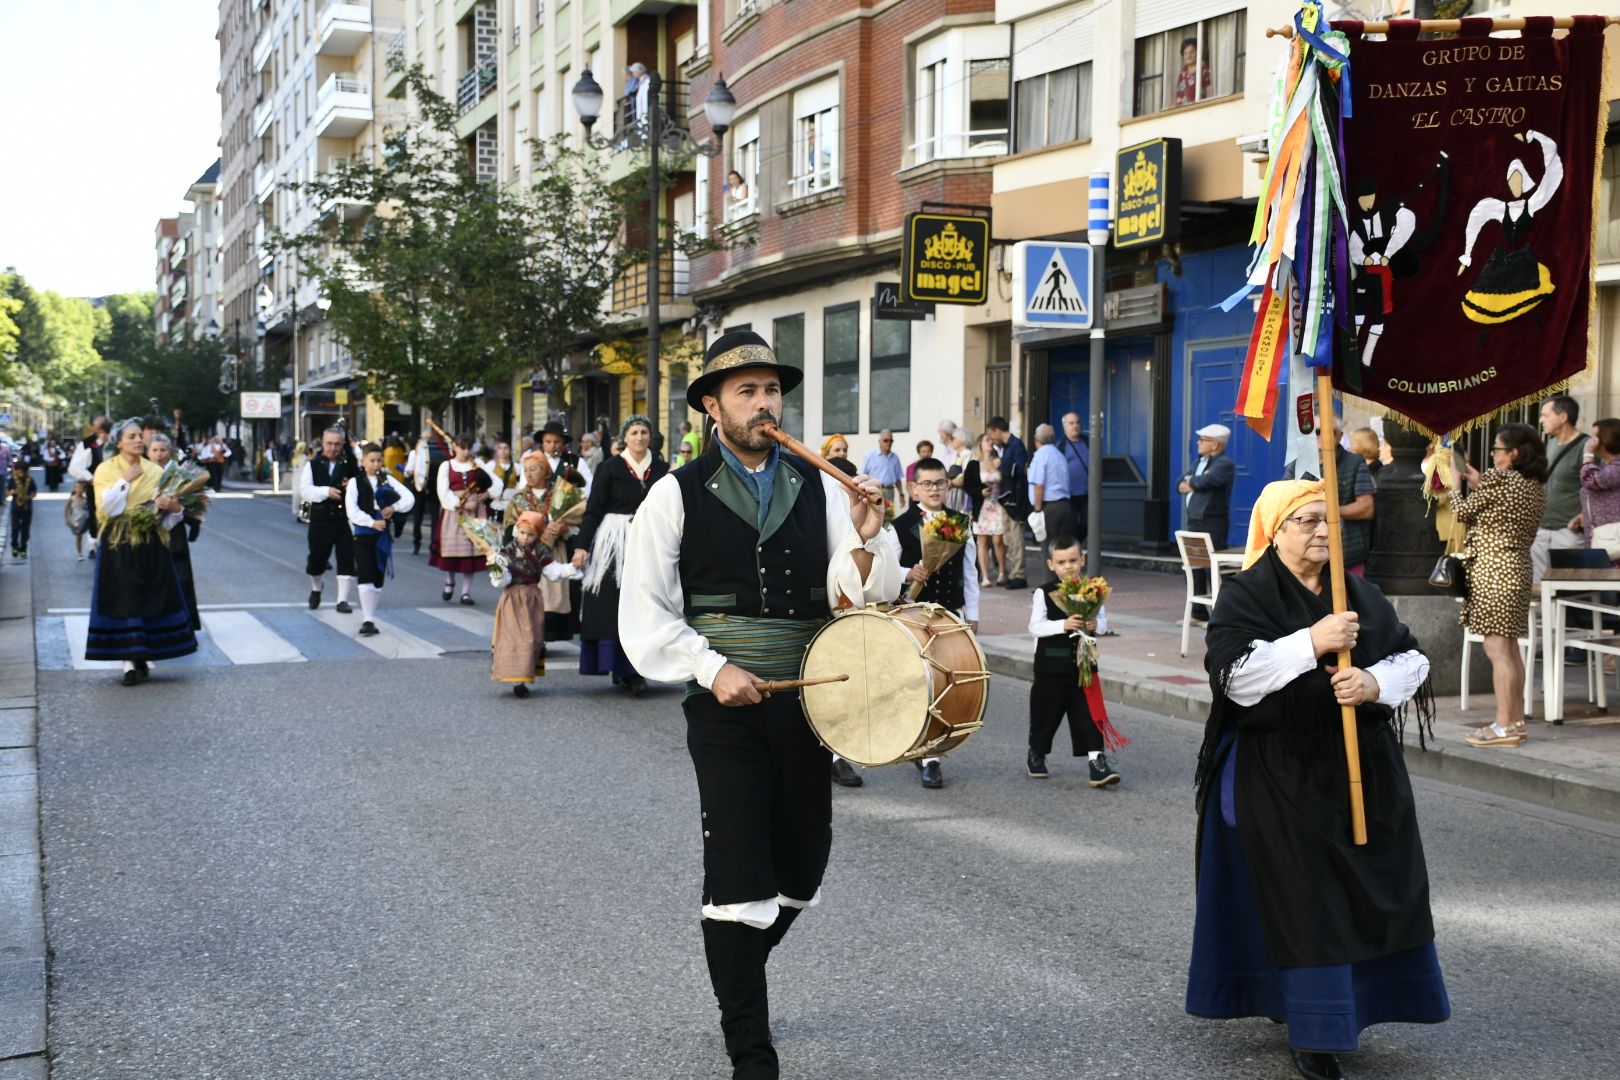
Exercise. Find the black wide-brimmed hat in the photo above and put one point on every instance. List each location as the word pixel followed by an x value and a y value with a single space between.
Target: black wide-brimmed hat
pixel 730 352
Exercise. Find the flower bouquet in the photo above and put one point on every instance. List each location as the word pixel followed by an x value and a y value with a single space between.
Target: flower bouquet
pixel 186 481
pixel 565 505
pixel 943 535
pixel 1085 596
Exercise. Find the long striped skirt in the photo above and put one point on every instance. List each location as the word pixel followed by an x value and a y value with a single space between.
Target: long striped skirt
pixel 137 608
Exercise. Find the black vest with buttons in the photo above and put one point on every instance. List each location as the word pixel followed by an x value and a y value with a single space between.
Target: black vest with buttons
pixel 727 568
pixel 1058 654
pixel 945 585
pixel 326 474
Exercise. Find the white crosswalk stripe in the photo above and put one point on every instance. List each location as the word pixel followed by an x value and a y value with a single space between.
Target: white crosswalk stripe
pixel 246 640
pixel 78 633
pixel 474 622
pixel 390 643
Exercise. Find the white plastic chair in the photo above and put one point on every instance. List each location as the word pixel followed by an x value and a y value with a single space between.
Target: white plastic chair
pixel 1197 551
pixel 1527 645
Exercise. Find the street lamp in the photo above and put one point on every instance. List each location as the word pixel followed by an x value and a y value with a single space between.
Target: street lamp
pixel 719 107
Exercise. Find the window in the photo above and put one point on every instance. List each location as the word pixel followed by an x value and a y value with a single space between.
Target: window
pixel 1054 108
pixel 841 368
pixel 788 334
pixel 1189 64
pixel 891 374
pixel 815 139
pixel 988 83
pixel 930 112
pixel 700 207
pixel 959 81
pixel 740 189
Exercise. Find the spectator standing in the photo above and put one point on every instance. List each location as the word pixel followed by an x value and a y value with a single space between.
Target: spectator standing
pixel 421 475
pixel 835 447
pixel 1600 487
pixel 86 460
pixel 1206 495
pixel 1356 507
pixel 1560 526
pixel 957 455
pixel 925 451
pixel 1014 474
pixel 1049 484
pixel 981 480
pixel 1076 451
pixel 1365 441
pixel 692 442
pixel 883 465
pixel 1501 510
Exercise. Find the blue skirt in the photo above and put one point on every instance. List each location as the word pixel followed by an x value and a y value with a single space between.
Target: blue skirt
pixel 138 608
pixel 604 656
pixel 1325 1008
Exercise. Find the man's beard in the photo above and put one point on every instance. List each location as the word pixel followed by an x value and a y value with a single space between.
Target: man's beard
pixel 746 435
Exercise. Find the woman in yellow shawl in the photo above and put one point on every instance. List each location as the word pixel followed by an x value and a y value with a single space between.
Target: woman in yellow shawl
pixel 138 613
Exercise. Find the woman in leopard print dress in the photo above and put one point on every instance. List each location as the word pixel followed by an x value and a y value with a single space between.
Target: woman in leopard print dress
pixel 1502 511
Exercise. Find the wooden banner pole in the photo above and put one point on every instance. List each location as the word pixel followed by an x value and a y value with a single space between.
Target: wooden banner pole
pixel 1330 485
pixel 1448 26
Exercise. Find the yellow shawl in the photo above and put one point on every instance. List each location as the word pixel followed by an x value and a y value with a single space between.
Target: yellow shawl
pixel 142 491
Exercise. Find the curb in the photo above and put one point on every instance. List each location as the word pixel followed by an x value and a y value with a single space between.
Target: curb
pixel 1568 790
pixel 22 901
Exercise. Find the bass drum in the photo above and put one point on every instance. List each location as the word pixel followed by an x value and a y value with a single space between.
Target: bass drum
pixel 917 684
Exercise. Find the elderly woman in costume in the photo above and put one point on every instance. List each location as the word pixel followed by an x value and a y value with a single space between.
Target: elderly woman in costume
pixel 1295 922
pixel 159 449
pixel 519 645
pixel 138 612
pixel 616 493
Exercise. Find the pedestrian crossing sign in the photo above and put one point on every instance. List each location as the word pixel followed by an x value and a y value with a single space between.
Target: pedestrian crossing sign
pixel 1052 285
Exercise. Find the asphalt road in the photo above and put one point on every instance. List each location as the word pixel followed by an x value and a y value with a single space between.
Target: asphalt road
pixel 357 867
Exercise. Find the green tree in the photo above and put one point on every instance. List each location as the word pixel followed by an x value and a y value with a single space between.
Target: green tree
pixel 182 375
pixel 56 338
pixel 127 331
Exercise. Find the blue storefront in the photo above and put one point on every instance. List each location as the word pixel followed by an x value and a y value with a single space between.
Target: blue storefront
pixel 1164 381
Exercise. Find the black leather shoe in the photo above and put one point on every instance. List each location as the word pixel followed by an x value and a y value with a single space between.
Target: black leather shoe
pixel 1035 765
pixel 449 590
pixel 465 599
pixel 520 690
pixel 1017 583
pixel 1316 1066
pixel 314 599
pixel 931 776
pixel 368 629
pixel 130 678
pixel 344 608
pixel 844 776
pixel 638 686
pixel 142 669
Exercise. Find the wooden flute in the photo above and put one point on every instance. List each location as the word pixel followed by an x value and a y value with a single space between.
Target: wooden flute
pixel 790 443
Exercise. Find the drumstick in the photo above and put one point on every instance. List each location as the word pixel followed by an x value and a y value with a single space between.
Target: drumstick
pixel 794 684
pixel 818 461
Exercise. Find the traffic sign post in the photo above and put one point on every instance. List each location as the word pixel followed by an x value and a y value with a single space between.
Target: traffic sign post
pixel 1097 236
pixel 1052 285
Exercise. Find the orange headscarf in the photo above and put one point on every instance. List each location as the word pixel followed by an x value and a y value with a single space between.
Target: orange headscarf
pixel 532 520
pixel 1279 500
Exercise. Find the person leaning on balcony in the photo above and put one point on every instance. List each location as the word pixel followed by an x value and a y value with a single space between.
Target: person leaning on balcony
pixel 736 188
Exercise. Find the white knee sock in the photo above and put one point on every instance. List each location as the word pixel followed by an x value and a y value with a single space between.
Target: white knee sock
pixel 369 595
pixel 315 584
pixel 466 584
pixel 1094 755
pixel 344 585
pixel 129 665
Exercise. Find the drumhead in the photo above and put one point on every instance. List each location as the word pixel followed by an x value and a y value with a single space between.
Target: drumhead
pixel 882 710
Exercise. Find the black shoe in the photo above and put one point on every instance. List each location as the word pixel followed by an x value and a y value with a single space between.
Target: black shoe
pixel 416 549
pixel 844 776
pixel 467 600
pixel 344 608
pixel 368 628
pixel 142 669
pixel 1017 583
pixel 1102 773
pixel 1036 766
pixel 520 690
pixel 449 591
pixel 314 599
pixel 638 686
pixel 1316 1066
pixel 130 678
pixel 931 776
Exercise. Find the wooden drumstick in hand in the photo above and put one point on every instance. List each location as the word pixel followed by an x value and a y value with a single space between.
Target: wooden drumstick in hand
pixel 794 684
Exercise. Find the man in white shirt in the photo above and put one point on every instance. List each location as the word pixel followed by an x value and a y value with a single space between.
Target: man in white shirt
pixel 320 484
pixel 419 474
pixel 732 565
pixel 86 459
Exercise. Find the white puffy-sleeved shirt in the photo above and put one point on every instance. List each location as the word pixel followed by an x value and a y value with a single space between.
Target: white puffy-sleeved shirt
pixel 351 500
pixel 652 623
pixel 1272 665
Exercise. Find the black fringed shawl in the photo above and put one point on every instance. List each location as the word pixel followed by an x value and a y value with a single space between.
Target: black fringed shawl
pixel 1322 900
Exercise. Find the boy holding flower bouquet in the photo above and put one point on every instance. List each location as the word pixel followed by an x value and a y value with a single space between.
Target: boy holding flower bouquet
pixel 1062 619
pixel 936 551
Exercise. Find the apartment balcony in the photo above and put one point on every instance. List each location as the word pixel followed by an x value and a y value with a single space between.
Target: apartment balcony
pixel 263 46
pixel 263 113
pixel 393 80
pixel 343 28
pixel 622 11
pixel 630 128
pixel 674 290
pixel 264 181
pixel 475 86
pixel 342 107
pixel 341 207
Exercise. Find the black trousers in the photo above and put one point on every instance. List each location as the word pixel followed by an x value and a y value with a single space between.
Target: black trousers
pixel 365 562
pixel 1218 528
pixel 765 802
pixel 325 534
pixel 22 522
pixel 427 502
pixel 1077 511
pixel 1051 698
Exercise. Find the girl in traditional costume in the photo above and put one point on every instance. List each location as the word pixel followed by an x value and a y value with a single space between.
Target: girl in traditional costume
pixel 370 501
pixel 617 490
pixel 519 645
pixel 464 489
pixel 1295 922
pixel 138 612
pixel 1513 281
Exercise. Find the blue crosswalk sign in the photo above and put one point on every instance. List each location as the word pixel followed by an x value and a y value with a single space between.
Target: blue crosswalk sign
pixel 1052 285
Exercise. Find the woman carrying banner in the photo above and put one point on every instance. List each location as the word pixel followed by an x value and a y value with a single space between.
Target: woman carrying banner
pixel 1295 922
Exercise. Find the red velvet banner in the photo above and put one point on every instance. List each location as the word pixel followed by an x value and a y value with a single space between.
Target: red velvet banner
pixel 1470 178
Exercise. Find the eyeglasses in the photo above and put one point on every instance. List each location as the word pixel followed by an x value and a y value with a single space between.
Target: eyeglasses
pixel 1499 450
pixel 1308 522
pixel 932 485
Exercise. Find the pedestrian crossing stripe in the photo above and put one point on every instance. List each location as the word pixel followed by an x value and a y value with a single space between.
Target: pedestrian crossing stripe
pixel 241 637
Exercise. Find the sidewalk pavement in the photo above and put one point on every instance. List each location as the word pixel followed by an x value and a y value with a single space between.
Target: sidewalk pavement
pixel 1574 767
pixel 22 910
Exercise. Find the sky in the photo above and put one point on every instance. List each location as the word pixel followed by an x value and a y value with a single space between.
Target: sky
pixel 109 115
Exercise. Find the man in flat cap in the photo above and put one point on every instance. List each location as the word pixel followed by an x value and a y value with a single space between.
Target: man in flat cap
pixel 733 562
pixel 1206 495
